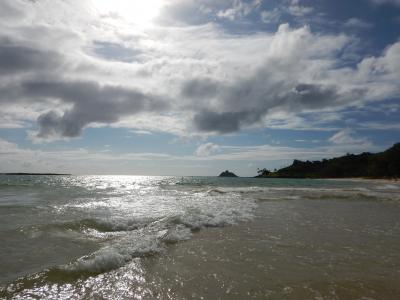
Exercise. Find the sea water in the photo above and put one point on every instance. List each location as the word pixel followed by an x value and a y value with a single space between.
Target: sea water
pixel 138 237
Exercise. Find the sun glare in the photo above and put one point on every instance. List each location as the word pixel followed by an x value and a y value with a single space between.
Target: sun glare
pixel 140 12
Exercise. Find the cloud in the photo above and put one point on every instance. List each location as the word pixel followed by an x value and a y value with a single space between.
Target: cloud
pixel 188 75
pixel 226 122
pixel 272 153
pixel 114 51
pixel 261 99
pixel 357 24
pixel 140 132
pixel 10 11
pixel 394 2
pixel 291 8
pixel 83 161
pixel 239 9
pixel 16 59
pixel 298 10
pixel 200 88
pixel 274 86
pixel 348 137
pixel 271 16
pixel 193 12
pixel 91 103
pixel 206 149
pixel 14 158
pixel 6 147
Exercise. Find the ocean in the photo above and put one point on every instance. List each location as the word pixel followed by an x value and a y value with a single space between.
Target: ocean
pixel 140 237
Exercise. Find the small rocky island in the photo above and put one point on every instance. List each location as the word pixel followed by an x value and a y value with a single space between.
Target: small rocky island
pixel 227 174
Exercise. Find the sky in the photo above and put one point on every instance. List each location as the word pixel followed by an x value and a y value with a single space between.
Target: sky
pixel 195 87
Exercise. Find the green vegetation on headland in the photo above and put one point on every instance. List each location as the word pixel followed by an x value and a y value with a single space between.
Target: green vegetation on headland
pixel 227 174
pixel 43 174
pixel 365 165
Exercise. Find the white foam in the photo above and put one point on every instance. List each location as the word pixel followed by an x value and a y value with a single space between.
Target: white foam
pixel 118 253
pixel 181 216
pixel 389 187
pixel 176 234
pixel 142 221
pixel 138 243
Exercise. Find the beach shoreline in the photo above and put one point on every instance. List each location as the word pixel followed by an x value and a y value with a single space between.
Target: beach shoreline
pixel 374 180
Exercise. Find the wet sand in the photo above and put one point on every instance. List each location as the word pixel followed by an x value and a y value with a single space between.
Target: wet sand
pixel 292 250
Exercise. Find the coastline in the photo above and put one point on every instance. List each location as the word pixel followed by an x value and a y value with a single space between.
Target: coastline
pixel 372 180
pixel 382 165
pixel 35 174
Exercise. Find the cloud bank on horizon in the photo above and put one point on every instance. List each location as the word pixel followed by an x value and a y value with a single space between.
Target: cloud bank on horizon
pixel 198 69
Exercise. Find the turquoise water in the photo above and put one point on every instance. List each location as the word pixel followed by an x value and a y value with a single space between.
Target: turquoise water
pixel 135 237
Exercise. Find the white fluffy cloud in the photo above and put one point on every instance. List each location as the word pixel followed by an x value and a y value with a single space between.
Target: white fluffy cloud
pixel 349 137
pixel 271 16
pixel 239 9
pixel 206 149
pixel 357 24
pixel 296 9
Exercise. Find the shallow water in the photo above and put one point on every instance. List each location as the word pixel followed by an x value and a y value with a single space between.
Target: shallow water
pixel 118 237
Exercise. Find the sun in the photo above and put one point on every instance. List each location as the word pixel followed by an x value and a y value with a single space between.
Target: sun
pixel 140 12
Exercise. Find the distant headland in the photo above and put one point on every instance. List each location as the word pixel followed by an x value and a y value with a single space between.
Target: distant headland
pixel 43 174
pixel 383 165
pixel 227 174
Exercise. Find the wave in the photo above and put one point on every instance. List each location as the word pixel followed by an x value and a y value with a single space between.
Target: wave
pixel 264 194
pixel 192 218
pixel 10 185
pixel 100 225
pixel 389 187
pixel 147 241
pixel 129 238
pixel 216 192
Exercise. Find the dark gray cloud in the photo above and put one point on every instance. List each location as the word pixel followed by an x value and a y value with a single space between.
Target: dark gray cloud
pixel 319 96
pixel 314 96
pixel 225 122
pixel 200 88
pixel 21 59
pixel 88 102
pixel 247 102
pixel 55 124
pixel 91 103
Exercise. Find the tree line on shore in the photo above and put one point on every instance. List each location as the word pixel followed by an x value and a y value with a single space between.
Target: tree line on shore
pixel 385 164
